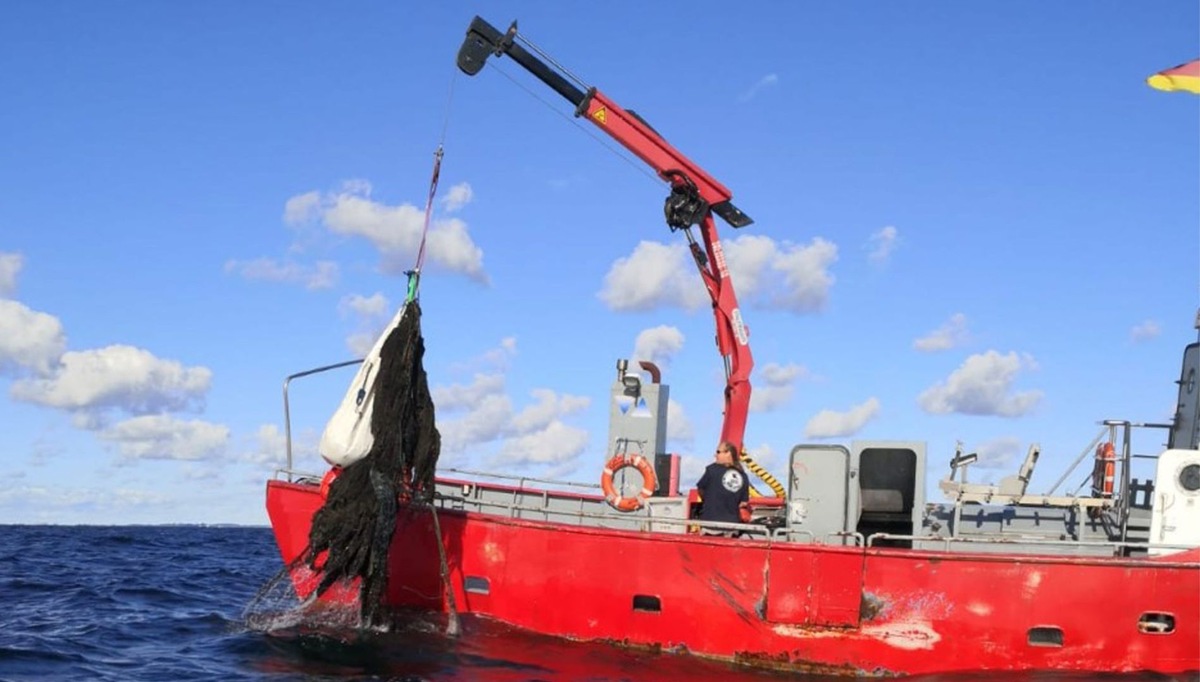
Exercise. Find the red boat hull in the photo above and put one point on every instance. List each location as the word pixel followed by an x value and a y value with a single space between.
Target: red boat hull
pixel 794 606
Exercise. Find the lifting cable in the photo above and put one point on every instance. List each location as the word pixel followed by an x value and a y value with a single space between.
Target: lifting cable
pixel 453 627
pixel 414 275
pixel 615 150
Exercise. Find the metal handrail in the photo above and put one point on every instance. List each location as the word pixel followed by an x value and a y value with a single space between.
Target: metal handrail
pixel 643 522
pixel 1124 496
pixel 785 533
pixel 294 475
pixel 520 479
pixel 287 413
pixel 1106 427
pixel 1084 453
pixel 859 540
pixel 1115 545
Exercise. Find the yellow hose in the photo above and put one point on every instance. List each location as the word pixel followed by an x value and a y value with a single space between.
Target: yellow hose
pixel 765 475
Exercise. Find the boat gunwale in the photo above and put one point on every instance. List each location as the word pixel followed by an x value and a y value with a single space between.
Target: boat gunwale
pixel 768 542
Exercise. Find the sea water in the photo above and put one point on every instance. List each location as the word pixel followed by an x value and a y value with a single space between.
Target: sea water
pixel 166 603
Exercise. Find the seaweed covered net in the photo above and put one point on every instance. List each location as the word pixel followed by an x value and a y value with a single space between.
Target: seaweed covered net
pixel 352 532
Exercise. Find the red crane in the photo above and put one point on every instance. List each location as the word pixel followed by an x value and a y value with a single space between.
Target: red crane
pixel 695 196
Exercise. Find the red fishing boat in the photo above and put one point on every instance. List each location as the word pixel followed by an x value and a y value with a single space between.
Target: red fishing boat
pixel 847 568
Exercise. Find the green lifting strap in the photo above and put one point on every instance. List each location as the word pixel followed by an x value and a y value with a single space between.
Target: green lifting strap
pixel 414 275
pixel 414 278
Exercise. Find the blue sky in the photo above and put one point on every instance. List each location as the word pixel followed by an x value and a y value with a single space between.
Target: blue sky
pixel 974 221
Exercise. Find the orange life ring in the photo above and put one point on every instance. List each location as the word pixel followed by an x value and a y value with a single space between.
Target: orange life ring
pixel 1104 475
pixel 649 482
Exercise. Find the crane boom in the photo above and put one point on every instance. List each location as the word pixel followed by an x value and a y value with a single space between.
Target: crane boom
pixel 695 196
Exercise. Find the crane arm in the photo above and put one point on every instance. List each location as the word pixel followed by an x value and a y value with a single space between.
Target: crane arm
pixel 694 198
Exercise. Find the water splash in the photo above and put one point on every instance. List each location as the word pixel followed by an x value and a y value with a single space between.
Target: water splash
pixel 277 607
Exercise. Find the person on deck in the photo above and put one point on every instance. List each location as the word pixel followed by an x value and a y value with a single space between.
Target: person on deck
pixel 724 489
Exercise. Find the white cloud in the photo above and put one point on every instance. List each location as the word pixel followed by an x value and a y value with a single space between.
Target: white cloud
pixel 270 444
pixel 493 360
pixel 766 81
pixel 556 443
pixel 457 196
pixel 320 275
pixel 691 468
pixel 999 453
pixel 952 334
pixel 485 410
pixel 489 415
pixel 485 422
pixel 360 343
pixel 548 408
pixel 776 374
pixel 373 306
pixel 92 384
pixel 302 208
pixel 500 356
pixel 29 340
pixel 797 277
pixel 983 385
pixel 764 455
pixel 395 231
pixel 118 377
pixel 806 276
pixel 165 437
pixel 658 345
pixel 830 424
pixel 479 417
pixel 679 426
pixel 62 497
pixel 748 258
pixel 205 474
pixel 459 397
pixel 661 275
pixel 373 313
pixel 1145 331
pixel 356 186
pixel 882 244
pixel 267 446
pixel 10 267
pixel 654 275
pixel 776 386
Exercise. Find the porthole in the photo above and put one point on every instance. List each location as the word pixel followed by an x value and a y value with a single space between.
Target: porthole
pixel 1156 623
pixel 647 603
pixel 1046 635
pixel 1189 478
pixel 477 585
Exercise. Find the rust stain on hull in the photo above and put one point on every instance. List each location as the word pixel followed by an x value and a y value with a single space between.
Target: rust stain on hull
pixel 786 663
pixel 782 662
pixel 871 606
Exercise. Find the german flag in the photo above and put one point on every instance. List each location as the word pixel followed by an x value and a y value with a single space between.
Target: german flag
pixel 1182 78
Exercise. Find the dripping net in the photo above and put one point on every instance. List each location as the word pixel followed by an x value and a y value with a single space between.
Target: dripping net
pixel 347 553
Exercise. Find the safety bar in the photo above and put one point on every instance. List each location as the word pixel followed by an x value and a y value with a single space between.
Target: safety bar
pixel 287 413
pixel 521 480
pixel 946 541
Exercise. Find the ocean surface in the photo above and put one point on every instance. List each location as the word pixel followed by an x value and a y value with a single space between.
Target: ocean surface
pixel 167 603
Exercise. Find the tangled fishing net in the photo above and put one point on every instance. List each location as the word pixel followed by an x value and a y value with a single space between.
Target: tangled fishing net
pixel 352 532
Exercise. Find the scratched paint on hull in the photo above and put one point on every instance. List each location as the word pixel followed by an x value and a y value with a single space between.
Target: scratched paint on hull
pixel 909 635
